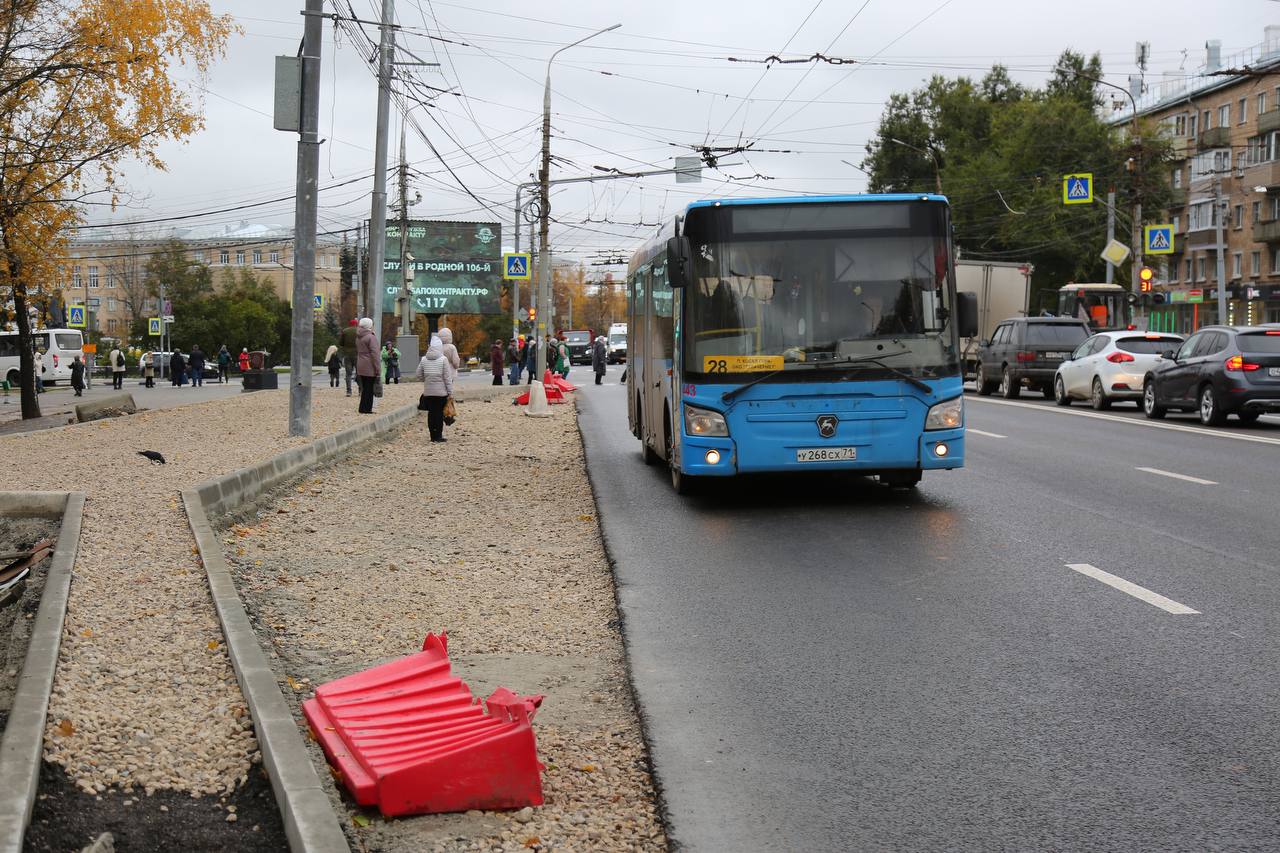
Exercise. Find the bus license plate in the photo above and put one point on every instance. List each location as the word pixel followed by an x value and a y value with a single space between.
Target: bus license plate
pixel 826 454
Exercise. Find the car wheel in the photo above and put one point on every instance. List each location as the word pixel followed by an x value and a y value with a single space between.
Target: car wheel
pixel 1060 393
pixel 681 482
pixel 1098 398
pixel 1150 407
pixel 986 387
pixel 1009 388
pixel 1247 417
pixel 1211 413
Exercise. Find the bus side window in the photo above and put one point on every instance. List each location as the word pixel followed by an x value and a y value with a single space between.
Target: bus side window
pixel 663 314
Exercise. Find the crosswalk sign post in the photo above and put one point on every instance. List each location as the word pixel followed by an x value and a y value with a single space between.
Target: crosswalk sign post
pixel 75 317
pixel 516 266
pixel 1158 239
pixel 154 327
pixel 1078 188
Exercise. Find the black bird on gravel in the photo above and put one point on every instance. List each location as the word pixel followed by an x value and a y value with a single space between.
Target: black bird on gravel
pixel 154 456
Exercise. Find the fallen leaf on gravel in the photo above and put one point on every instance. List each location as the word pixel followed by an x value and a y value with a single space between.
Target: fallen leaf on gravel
pixel 588 768
pixel 87 632
pixel 533 841
pixel 213 645
pixel 66 729
pixel 586 518
pixel 293 685
pixel 359 820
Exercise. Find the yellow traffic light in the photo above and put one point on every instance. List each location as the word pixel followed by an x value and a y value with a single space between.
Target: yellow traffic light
pixel 533 314
pixel 1145 277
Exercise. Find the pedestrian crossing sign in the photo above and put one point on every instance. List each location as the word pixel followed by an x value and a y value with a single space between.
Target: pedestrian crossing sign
pixel 75 317
pixel 515 265
pixel 319 301
pixel 154 326
pixel 1077 189
pixel 1158 239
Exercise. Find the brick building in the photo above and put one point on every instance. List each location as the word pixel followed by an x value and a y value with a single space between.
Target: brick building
pixel 1225 123
pixel 112 269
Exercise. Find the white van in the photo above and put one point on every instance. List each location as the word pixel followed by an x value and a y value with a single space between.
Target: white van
pixel 60 346
pixel 617 345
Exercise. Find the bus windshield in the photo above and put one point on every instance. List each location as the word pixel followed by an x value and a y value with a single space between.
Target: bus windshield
pixel 795 287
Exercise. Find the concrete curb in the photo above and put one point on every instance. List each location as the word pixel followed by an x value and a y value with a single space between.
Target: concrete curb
pixel 310 822
pixel 23 743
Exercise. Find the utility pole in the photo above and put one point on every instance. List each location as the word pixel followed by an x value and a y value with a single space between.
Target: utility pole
pixel 1111 229
pixel 406 276
pixel 359 288
pixel 304 226
pixel 1218 214
pixel 378 207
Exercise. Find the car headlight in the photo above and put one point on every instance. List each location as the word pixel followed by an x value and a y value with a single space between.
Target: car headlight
pixel 948 414
pixel 703 421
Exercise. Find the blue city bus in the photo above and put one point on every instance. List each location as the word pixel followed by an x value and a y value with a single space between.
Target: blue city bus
pixel 795 334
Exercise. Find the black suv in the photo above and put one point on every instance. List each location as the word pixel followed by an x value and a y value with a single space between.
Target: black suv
pixel 1027 350
pixel 1219 371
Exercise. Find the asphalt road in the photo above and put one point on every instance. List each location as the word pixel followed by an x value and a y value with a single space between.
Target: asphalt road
pixel 826 664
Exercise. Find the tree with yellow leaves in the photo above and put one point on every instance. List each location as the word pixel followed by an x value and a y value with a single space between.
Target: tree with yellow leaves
pixel 84 86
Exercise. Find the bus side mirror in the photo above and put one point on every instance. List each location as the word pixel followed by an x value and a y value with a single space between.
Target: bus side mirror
pixel 679 251
pixel 967 313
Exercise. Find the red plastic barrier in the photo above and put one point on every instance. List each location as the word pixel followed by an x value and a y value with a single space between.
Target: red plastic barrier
pixel 553 396
pixel 555 380
pixel 408 737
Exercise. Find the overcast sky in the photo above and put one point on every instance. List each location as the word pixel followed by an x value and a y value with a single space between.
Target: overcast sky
pixel 632 99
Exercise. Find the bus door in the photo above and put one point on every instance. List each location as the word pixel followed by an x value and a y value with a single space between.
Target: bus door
pixel 660 337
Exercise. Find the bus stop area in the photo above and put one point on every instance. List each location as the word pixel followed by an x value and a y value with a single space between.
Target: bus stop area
pixel 490 537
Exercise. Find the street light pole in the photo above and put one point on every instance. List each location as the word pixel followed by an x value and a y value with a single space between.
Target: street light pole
pixel 937 173
pixel 544 176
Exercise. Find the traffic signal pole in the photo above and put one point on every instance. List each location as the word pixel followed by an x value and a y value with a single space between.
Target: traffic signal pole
pixel 1218 214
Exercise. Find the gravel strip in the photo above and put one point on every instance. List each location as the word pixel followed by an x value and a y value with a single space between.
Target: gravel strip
pixel 145 696
pixel 491 537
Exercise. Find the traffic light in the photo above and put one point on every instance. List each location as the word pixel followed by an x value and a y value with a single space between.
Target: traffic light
pixel 1157 298
pixel 1145 276
pixel 533 314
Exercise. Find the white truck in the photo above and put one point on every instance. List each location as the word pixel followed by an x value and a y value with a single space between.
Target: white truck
pixel 1003 290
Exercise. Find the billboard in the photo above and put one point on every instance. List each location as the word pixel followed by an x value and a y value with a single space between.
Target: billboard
pixel 457 267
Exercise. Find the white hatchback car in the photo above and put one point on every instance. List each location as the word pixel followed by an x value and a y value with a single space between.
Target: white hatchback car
pixel 1110 366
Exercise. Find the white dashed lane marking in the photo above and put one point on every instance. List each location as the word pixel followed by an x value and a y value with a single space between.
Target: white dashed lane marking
pixel 1130 588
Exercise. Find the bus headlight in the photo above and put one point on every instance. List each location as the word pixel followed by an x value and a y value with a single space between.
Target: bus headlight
pixel 703 421
pixel 948 414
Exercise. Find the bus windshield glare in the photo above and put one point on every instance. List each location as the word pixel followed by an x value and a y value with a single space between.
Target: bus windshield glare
pixel 804 286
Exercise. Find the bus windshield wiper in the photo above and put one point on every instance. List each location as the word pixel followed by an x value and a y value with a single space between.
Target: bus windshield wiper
pixel 854 359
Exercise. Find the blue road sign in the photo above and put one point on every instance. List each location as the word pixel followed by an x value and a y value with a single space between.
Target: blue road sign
pixel 319 301
pixel 1077 189
pixel 1159 239
pixel 515 265
pixel 75 317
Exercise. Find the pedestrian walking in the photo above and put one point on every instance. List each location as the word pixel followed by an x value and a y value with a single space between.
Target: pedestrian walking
pixel 117 362
pixel 195 366
pixel 147 367
pixel 495 362
pixel 77 376
pixel 437 385
pixel 178 368
pixel 224 364
pixel 333 360
pixel 561 350
pixel 598 356
pixel 530 358
pixel 244 360
pixel 347 343
pixel 366 364
pixel 390 364
pixel 40 369
pixel 513 362
pixel 450 352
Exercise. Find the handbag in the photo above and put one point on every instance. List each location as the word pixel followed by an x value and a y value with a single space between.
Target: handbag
pixel 422 402
pixel 450 411
pixel 377 387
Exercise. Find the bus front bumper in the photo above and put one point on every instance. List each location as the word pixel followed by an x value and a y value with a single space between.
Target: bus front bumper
pixel 722 457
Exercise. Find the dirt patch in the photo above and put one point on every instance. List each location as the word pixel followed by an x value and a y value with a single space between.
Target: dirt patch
pixel 66 818
pixel 20 603
pixel 491 537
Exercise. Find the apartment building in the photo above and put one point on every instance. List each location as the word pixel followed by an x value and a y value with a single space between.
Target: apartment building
pixel 1225 123
pixel 110 270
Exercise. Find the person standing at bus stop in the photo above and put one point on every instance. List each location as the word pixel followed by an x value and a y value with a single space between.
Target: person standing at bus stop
pixel 495 362
pixel 366 364
pixel 513 361
pixel 116 360
pixel 195 363
pixel 224 364
pixel 347 343
pixel 598 356
pixel 77 376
